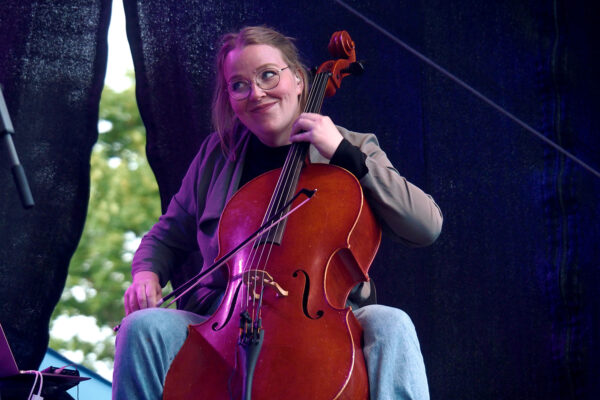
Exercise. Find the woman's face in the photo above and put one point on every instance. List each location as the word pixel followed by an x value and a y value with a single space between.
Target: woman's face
pixel 269 114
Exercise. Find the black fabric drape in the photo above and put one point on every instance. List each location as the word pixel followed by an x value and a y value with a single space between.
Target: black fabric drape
pixel 52 65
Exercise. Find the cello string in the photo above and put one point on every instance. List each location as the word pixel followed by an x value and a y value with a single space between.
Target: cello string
pixel 274 203
pixel 296 152
pixel 255 252
pixel 292 163
pixel 280 195
pixel 470 88
pixel 259 259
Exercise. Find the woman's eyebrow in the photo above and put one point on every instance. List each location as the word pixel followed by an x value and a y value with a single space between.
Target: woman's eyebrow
pixel 261 67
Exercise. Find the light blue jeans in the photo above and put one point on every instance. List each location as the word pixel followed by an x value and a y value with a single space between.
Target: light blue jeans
pixel 149 339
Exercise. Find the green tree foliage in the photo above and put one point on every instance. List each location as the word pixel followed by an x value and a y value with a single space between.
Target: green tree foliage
pixel 124 203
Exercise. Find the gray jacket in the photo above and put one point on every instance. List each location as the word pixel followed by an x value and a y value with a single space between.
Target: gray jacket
pixel 189 226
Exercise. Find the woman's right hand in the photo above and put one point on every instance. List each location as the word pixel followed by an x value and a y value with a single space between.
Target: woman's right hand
pixel 144 292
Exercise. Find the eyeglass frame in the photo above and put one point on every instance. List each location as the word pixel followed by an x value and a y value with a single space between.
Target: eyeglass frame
pixel 256 82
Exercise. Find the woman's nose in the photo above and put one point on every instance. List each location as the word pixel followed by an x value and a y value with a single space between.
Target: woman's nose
pixel 255 91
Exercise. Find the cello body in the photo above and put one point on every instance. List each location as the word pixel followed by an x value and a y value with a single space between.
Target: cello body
pixel 312 345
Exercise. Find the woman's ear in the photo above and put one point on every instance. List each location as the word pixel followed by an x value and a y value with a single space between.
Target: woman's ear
pixel 299 81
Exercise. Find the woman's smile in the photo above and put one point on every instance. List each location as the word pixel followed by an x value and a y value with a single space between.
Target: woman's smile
pixel 263 107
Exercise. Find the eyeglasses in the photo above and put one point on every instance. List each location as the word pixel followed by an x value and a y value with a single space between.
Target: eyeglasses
pixel 266 79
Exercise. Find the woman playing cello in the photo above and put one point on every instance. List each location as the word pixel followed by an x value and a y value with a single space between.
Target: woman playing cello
pixel 259 96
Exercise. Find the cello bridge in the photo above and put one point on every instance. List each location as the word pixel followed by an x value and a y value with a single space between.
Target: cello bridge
pixel 258 278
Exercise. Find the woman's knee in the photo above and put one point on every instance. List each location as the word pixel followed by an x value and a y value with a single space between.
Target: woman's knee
pixel 140 321
pixel 383 325
pixel 157 322
pixel 379 317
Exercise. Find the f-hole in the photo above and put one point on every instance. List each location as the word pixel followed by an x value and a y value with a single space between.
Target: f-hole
pixel 305 294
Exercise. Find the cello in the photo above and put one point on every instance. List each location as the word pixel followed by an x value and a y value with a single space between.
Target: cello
pixel 282 329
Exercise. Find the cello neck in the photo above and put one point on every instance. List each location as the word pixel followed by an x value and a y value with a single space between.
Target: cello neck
pixel 298 151
pixel 288 179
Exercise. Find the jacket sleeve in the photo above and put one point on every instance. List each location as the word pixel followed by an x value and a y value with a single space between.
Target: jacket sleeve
pixel 405 212
pixel 173 237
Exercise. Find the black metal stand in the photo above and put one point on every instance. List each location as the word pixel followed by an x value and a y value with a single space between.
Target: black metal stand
pixel 6 130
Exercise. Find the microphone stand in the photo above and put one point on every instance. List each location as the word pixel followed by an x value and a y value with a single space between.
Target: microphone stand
pixel 6 129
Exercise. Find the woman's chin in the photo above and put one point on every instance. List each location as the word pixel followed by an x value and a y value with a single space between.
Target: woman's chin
pixel 271 137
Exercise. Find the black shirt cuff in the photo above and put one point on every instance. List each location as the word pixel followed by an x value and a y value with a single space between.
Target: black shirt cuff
pixel 351 158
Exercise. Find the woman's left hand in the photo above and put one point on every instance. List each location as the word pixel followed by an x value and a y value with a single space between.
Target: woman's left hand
pixel 319 130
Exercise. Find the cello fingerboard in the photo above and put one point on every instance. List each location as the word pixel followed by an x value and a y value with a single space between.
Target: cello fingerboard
pixel 288 179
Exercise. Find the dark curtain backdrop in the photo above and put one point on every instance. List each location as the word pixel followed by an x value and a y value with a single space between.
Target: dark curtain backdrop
pixel 505 301
pixel 52 65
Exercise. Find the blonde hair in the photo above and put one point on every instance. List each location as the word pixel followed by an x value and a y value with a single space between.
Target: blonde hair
pixel 225 123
